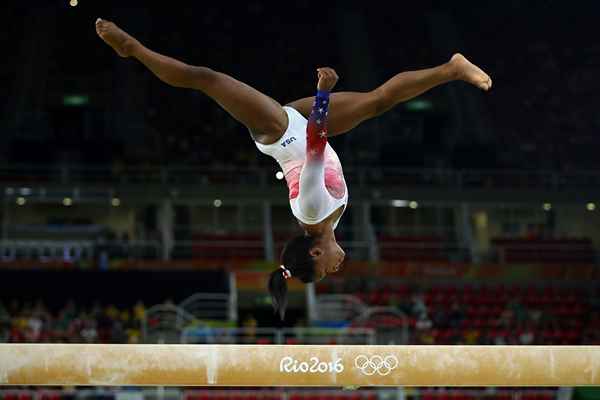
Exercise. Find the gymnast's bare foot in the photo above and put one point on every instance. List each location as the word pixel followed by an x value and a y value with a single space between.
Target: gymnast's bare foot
pixel 121 41
pixel 466 71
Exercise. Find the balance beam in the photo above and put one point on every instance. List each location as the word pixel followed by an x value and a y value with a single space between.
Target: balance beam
pixel 279 365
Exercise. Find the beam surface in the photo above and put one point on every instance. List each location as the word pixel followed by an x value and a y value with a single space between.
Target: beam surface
pixel 278 365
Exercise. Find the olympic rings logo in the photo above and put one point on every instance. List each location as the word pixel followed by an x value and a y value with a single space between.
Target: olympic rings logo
pixel 375 364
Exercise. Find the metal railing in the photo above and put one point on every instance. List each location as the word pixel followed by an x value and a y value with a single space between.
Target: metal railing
pixel 24 175
pixel 386 333
pixel 76 250
pixel 166 323
pixel 46 250
pixel 349 310
pixel 207 306
pixel 251 335
pixel 336 307
pixel 71 251
pixel 163 323
pixel 169 323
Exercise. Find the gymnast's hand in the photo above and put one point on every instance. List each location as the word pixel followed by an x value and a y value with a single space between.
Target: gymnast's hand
pixel 327 78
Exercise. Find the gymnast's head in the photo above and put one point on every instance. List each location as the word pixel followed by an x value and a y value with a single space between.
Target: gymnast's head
pixel 307 258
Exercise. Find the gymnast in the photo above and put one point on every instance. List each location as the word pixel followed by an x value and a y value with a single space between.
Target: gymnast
pixel 296 135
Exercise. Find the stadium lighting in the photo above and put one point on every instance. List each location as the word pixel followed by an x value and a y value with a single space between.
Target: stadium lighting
pixel 590 206
pixel 413 204
pixel 399 203
pixel 67 202
pixel 217 203
pixel 115 202
pixel 21 201
pixel 75 100
pixel 73 3
pixel 547 206
pixel 419 105
pixel 279 175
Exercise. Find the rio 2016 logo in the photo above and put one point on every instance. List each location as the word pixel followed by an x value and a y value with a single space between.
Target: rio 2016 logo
pixel 313 366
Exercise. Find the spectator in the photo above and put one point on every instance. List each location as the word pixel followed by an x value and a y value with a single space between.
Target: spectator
pixel 249 329
pixel 455 316
pixel 527 336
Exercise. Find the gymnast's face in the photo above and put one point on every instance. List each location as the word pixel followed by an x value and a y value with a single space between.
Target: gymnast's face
pixel 328 256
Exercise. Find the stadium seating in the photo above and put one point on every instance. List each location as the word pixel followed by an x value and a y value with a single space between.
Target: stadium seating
pixel 548 251
pixel 487 314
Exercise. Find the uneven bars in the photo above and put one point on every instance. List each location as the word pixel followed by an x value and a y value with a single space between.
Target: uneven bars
pixel 302 365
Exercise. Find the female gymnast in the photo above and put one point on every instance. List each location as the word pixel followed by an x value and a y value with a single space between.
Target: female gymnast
pixel 317 189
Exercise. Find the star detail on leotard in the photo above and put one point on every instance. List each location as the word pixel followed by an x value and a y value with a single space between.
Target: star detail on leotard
pixel 316 129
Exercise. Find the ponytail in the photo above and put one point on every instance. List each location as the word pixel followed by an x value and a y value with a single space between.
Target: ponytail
pixel 296 262
pixel 278 289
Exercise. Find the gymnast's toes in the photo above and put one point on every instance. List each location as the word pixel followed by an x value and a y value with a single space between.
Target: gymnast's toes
pixel 469 72
pixel 115 37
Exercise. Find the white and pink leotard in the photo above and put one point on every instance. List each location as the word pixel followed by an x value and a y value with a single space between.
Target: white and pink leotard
pixel 311 167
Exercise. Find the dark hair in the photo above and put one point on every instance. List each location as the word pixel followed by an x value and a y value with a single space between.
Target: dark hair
pixel 296 258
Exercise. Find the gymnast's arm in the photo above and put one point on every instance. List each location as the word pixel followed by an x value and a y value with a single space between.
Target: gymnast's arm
pixel 312 179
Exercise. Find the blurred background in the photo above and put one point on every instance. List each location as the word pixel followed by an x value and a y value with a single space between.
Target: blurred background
pixel 134 212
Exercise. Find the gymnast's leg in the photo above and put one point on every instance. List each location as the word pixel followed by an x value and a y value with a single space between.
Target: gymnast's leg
pixel 348 109
pixel 265 118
